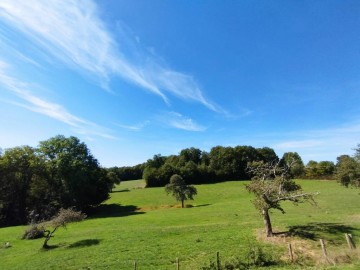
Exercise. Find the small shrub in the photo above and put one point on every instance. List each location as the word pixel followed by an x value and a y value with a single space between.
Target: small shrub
pixel 35 231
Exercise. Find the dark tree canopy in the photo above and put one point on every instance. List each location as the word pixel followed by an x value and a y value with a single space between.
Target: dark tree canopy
pixel 19 168
pixel 197 167
pixel 36 182
pixel 83 183
pixel 348 171
pixel 128 172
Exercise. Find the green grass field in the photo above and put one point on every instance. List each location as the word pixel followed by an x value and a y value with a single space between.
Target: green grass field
pixel 148 226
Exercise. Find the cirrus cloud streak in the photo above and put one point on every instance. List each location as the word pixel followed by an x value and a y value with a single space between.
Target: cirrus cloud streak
pixel 73 32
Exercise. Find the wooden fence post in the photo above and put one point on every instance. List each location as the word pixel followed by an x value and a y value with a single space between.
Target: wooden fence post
pixel 135 265
pixel 323 248
pixel 350 241
pixel 291 253
pixel 177 264
pixel 218 260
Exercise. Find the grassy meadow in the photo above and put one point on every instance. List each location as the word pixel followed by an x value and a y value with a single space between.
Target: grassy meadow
pixel 148 226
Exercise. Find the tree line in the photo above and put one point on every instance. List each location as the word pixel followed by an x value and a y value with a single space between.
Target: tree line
pixel 35 182
pixel 198 167
pixel 230 163
pixel 60 173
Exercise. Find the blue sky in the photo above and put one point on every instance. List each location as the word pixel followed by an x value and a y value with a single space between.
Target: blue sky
pixel 136 78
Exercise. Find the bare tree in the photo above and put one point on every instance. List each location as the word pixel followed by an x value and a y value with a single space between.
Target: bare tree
pixel 64 217
pixel 272 183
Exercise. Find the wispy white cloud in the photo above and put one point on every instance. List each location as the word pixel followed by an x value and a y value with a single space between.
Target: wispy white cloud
pixel 50 109
pixel 136 127
pixel 326 144
pixel 73 32
pixel 177 120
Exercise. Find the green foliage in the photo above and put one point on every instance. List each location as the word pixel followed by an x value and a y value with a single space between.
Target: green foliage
pixel 320 170
pixel 297 168
pixel 19 166
pixel 36 182
pixel 128 173
pixel 348 171
pixel 190 154
pixel 178 189
pixel 113 178
pixel 198 167
pixel 75 171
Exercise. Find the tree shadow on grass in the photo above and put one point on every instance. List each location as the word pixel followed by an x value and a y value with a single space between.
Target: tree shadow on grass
pixel 332 232
pixel 85 243
pixel 113 210
pixel 50 247
pixel 122 190
pixel 202 205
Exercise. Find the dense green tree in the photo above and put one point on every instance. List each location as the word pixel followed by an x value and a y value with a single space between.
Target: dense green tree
pixel 151 176
pixel 311 169
pixel 156 162
pixel 272 184
pixel 205 158
pixel 18 167
pixel 196 166
pixel 190 172
pixel 179 189
pixel 223 162
pixel 267 154
pixel 113 178
pixel 81 181
pixel 320 170
pixel 190 154
pixel 325 169
pixel 36 182
pixel 128 172
pixel 348 171
pixel 246 154
pixel 298 168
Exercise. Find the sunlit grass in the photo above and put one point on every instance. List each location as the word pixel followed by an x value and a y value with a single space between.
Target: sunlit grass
pixel 148 226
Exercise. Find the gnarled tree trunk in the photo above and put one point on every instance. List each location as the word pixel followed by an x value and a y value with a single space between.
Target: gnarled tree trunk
pixel 48 237
pixel 267 222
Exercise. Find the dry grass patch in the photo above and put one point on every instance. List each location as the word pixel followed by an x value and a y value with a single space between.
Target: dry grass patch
pixel 308 252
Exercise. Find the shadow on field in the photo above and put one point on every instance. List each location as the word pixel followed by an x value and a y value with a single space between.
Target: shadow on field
pixel 202 205
pixel 50 247
pixel 333 232
pixel 113 210
pixel 123 190
pixel 85 243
